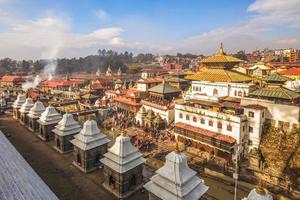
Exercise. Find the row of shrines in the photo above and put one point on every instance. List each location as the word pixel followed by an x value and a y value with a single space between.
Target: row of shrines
pixel 123 163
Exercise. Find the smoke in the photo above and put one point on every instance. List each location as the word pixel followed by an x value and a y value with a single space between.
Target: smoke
pixel 50 54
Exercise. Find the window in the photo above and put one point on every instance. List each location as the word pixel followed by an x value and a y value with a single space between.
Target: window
pixel 229 127
pixel 235 93
pixel 250 129
pixel 194 119
pixel 187 117
pixel 215 92
pixel 243 128
pixel 180 115
pixel 250 142
pixel 263 114
pixel 251 114
pixel 240 93
pixel 199 89
pixel 202 121
pixel 220 125
pixel 210 123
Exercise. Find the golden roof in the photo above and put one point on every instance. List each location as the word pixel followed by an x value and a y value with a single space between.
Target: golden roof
pixel 219 75
pixel 221 57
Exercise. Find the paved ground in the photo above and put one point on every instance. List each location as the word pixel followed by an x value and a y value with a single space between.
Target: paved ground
pixel 68 182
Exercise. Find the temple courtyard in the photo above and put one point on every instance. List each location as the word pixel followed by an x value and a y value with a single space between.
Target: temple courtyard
pixel 67 182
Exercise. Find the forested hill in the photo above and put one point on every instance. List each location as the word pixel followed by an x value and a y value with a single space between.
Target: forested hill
pixel 89 64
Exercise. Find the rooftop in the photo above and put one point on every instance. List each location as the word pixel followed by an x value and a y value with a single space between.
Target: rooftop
pixel 122 156
pixel 220 75
pixel 291 72
pixel 164 88
pixel 275 92
pixel 17 179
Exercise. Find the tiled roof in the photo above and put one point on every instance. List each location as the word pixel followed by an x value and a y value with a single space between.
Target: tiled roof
pixel 276 92
pixel 292 71
pixel 276 78
pixel 219 75
pixel 221 57
pixel 62 82
pixel 255 106
pixel 164 88
pixel 150 80
pixel 10 78
pixel 208 133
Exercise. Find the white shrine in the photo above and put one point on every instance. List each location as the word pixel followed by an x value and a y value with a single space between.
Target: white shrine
pixel 64 132
pixel 89 146
pixel 34 114
pixel 123 166
pixel 25 108
pixel 48 120
pixel 175 180
pixel 17 105
pixel 258 193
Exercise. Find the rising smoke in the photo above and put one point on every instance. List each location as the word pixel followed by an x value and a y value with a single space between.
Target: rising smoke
pixel 49 69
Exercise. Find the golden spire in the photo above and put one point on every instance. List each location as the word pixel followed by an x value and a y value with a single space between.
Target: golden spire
pixel 221 50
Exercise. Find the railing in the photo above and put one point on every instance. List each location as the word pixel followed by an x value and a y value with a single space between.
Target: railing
pixel 205 139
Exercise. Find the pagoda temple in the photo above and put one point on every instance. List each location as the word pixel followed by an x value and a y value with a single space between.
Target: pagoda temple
pixel 24 110
pixel 161 102
pixel 89 147
pixel 123 166
pixel 17 105
pixel 48 120
pixel 64 132
pixel 175 180
pixel 34 114
pixel 219 79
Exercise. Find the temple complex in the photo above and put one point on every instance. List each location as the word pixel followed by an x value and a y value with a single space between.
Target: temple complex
pixel 123 166
pixel 24 110
pixel 219 79
pixel 34 114
pixel 47 121
pixel 161 102
pixel 129 102
pixel 17 105
pixel 89 147
pixel 175 180
pixel 64 132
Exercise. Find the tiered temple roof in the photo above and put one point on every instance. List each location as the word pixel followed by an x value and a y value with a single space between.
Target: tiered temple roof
pixel 37 109
pixel 122 156
pixel 219 69
pixel 25 108
pixel 49 116
pixel 220 75
pixel 220 57
pixel 67 126
pixel 276 78
pixel 89 137
pixel 175 180
pixel 19 101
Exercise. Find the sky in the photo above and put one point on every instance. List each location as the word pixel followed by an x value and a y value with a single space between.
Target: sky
pixel 31 29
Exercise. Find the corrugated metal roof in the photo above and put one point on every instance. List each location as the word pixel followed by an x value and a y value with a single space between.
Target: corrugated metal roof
pixel 276 92
pixel 164 88
pixel 18 180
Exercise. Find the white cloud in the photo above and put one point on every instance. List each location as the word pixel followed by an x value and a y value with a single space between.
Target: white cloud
pixel 268 15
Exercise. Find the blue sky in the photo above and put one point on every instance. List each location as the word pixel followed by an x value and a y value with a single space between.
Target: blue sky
pixel 58 28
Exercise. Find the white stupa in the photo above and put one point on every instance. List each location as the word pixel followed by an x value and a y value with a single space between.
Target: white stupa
pixel 175 180
pixel 19 101
pixel 67 126
pixel 25 108
pixel 49 116
pixel 89 137
pixel 37 109
pixel 97 103
pixel 122 156
pixel 259 193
